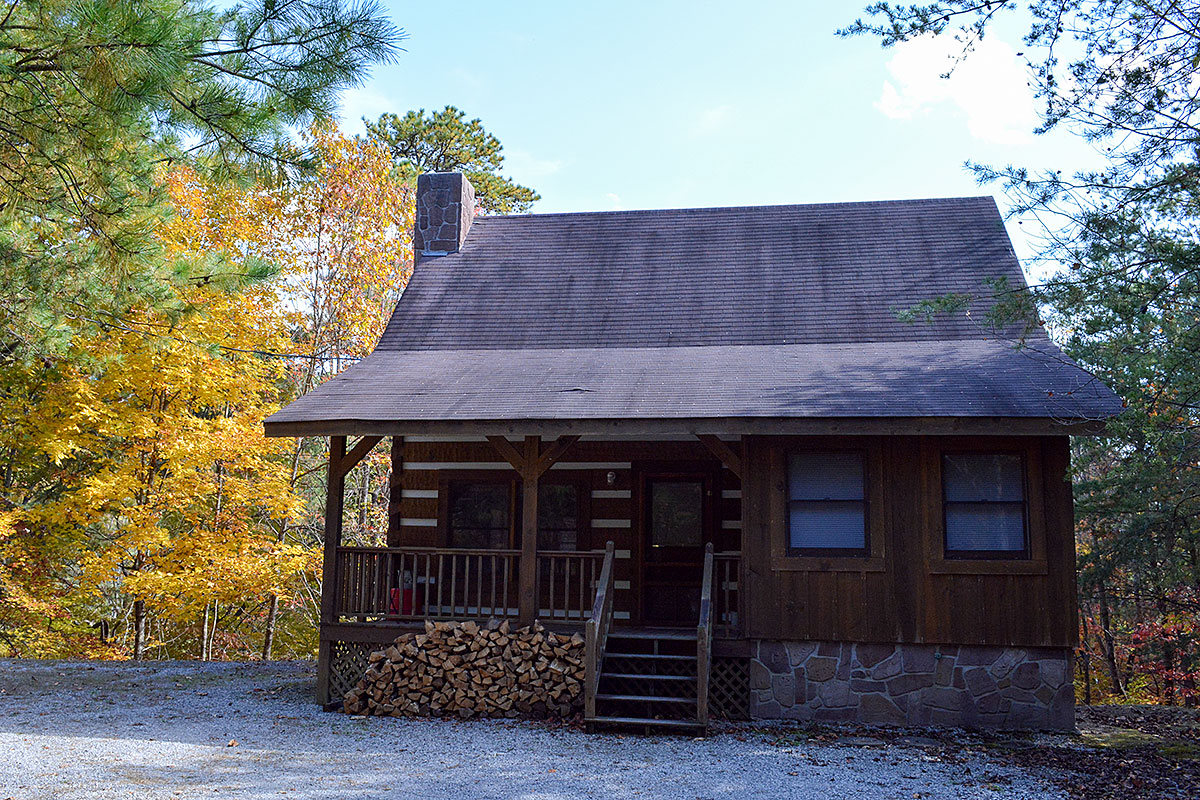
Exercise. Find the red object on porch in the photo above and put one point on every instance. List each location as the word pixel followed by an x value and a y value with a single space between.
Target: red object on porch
pixel 405 602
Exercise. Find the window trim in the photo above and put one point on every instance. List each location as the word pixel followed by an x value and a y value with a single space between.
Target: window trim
pixel 1023 554
pixel 874 496
pixel 943 562
pixel 828 552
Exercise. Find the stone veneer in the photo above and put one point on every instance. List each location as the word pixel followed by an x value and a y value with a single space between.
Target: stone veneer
pixel 445 211
pixel 913 684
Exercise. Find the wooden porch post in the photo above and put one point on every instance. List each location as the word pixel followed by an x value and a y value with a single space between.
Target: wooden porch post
pixel 529 530
pixel 530 465
pixel 334 498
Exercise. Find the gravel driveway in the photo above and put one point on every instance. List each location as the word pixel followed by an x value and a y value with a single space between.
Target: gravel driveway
pixel 187 729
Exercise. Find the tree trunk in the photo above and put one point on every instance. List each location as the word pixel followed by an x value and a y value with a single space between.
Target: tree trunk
pixel 139 629
pixel 1109 645
pixel 269 635
pixel 1085 658
pixel 204 636
pixel 212 632
pixel 1168 656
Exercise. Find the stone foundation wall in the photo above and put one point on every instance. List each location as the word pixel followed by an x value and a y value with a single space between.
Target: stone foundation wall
pixel 913 684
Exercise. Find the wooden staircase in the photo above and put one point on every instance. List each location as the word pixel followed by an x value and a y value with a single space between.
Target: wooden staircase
pixel 650 678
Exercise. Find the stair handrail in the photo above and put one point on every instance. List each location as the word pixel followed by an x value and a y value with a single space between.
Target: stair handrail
pixel 704 637
pixel 596 632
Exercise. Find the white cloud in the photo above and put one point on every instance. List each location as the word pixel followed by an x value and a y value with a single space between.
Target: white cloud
pixel 521 162
pixel 712 120
pixel 988 87
pixel 363 102
pixel 615 200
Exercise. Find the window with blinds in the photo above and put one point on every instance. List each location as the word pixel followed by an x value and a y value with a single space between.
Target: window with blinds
pixel 984 505
pixel 827 504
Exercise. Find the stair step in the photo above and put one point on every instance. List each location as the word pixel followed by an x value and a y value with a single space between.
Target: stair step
pixel 646 698
pixel 657 656
pixel 635 633
pixel 640 676
pixel 668 724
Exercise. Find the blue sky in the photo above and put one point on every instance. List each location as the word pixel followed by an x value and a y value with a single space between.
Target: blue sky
pixel 627 105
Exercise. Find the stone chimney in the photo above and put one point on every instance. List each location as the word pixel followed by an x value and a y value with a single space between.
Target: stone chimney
pixel 445 210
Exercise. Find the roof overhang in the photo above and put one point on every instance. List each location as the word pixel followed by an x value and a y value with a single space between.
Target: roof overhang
pixel 733 426
pixel 927 387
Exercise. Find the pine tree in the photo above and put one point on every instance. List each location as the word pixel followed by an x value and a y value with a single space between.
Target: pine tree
pixel 97 95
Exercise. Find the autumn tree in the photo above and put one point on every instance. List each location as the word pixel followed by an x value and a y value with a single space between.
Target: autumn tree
pixel 446 141
pixel 350 256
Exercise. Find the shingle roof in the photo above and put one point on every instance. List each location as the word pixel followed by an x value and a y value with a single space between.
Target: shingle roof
pixel 772 313
pixel 769 275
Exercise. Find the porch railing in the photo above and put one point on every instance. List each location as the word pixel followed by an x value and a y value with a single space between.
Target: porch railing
pixel 704 637
pixel 726 594
pixel 567 582
pixel 596 633
pixel 418 583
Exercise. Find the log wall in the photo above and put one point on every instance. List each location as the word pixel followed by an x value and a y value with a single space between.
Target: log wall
pixel 904 592
pixel 426 464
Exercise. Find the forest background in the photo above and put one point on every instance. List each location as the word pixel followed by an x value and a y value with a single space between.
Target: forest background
pixel 187 243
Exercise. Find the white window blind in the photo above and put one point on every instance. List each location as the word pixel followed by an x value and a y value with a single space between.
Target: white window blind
pixel 826 502
pixel 984 497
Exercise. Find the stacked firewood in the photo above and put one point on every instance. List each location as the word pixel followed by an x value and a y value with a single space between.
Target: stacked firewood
pixel 468 670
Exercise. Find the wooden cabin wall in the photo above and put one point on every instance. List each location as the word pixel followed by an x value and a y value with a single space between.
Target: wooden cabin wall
pixel 424 463
pixel 908 593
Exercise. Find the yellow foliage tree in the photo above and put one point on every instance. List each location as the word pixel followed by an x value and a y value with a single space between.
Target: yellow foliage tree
pixel 147 491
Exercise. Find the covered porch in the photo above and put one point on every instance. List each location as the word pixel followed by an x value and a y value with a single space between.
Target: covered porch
pixel 372 594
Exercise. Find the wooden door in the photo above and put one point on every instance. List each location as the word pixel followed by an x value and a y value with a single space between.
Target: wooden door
pixel 676 525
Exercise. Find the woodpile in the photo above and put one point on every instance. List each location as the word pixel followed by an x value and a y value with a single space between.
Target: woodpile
pixel 469 670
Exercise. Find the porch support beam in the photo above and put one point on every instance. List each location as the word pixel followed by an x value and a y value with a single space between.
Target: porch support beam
pixel 530 463
pixel 334 499
pixel 724 453
pixel 510 453
pixel 527 607
pixel 365 445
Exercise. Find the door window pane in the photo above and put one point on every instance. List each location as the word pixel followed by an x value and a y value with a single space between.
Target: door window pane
pixel 675 514
pixel 479 515
pixel 984 496
pixel 827 507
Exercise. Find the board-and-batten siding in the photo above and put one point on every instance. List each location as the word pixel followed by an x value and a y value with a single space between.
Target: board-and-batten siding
pixel 427 463
pixel 912 596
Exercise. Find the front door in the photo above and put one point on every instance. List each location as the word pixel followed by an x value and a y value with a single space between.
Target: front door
pixel 676 514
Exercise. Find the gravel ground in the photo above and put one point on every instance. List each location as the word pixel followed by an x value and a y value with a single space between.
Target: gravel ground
pixel 189 729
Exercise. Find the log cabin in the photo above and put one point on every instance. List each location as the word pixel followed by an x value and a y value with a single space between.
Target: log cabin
pixel 707 439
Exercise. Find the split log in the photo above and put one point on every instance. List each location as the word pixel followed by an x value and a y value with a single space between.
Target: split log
pixel 468 670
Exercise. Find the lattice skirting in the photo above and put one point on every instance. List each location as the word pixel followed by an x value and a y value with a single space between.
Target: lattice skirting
pixel 729 688
pixel 347 663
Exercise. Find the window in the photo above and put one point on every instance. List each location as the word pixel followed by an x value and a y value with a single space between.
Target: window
pixel 827 506
pixel 984 505
pixel 480 514
pixel 558 516
pixel 676 513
